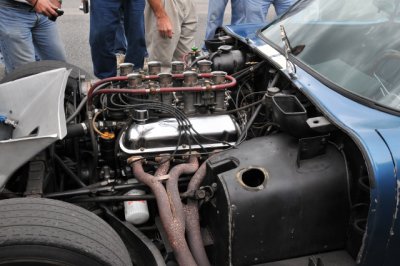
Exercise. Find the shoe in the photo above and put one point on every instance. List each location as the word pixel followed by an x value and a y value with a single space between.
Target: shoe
pixel 145 64
pixel 1 59
pixel 120 59
pixel 204 53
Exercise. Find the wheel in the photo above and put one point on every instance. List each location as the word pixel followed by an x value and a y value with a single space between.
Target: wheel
pixel 46 65
pixel 37 231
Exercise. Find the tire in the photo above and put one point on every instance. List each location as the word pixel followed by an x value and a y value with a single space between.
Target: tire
pixel 38 231
pixel 46 65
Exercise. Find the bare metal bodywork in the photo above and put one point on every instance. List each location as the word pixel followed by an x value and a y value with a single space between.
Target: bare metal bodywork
pixel 37 104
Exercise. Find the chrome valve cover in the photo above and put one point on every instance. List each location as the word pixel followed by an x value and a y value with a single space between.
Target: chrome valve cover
pixel 163 136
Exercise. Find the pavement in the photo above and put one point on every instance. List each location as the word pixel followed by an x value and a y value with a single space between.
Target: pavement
pixel 74 31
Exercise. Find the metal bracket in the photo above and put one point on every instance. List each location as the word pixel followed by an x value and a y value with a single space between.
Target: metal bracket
pixel 34 186
pixel 311 147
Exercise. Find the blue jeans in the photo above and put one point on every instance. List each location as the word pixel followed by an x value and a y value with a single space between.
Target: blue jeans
pixel 24 34
pixel 256 10
pixel 121 43
pixel 1 58
pixel 215 17
pixel 104 23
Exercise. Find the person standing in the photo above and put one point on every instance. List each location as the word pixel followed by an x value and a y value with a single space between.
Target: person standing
pixel 105 19
pixel 256 10
pixel 120 44
pixel 26 32
pixel 1 58
pixel 215 17
pixel 170 29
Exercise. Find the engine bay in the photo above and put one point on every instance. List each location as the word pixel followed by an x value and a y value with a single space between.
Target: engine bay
pixel 221 160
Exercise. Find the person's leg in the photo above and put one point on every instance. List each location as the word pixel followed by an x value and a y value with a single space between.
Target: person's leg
pixel 159 48
pixel 104 21
pixel 256 10
pixel 215 16
pixel 120 44
pixel 1 58
pixel 15 36
pixel 188 29
pixel 47 41
pixel 134 31
pixel 282 5
pixel 238 11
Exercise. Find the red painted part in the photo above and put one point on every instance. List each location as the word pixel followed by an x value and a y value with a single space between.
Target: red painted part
pixel 224 86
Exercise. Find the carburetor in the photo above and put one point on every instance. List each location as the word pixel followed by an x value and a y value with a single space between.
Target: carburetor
pixel 169 110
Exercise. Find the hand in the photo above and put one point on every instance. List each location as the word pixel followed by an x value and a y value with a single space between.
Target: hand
pixel 46 7
pixel 57 3
pixel 164 27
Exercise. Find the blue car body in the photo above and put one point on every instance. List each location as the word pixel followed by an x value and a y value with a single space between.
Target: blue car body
pixel 376 134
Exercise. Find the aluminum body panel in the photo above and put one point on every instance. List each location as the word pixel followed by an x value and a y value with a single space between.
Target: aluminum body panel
pixel 163 135
pixel 37 104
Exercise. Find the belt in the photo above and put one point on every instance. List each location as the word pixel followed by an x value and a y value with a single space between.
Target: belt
pixel 15 4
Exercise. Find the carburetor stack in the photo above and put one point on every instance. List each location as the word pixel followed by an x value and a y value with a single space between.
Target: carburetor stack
pixel 169 109
pixel 204 101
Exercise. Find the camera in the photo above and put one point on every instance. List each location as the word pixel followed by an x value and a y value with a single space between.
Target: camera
pixel 60 12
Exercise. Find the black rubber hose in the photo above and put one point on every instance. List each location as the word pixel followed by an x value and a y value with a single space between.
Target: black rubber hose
pixel 83 103
pixel 78 110
pixel 198 59
pixel 249 124
pixel 239 75
pixel 95 153
pixel 76 130
pixel 255 113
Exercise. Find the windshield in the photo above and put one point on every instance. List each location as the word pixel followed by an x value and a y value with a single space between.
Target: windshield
pixel 354 44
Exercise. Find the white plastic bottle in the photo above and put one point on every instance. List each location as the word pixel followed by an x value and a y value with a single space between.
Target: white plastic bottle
pixel 136 212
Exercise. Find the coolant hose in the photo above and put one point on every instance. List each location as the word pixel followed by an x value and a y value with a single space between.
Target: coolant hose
pixel 76 130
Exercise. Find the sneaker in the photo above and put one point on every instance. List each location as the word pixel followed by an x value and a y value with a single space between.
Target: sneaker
pixel 204 53
pixel 145 64
pixel 1 59
pixel 120 59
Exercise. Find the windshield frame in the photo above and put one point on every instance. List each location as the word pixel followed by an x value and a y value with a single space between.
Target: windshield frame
pixel 324 80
